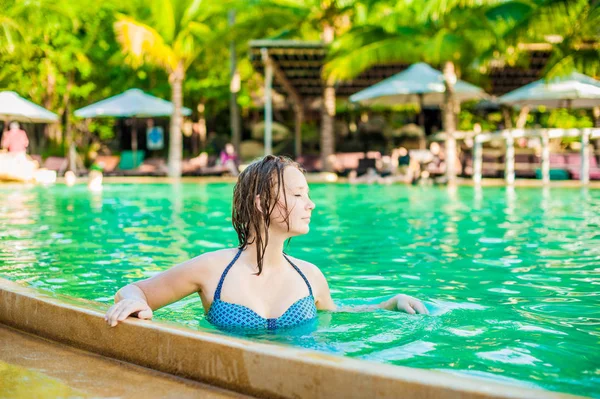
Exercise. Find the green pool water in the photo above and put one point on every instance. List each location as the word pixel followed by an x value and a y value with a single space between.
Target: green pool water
pixel 511 277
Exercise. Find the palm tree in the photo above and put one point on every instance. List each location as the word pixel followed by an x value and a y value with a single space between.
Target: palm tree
pixel 308 20
pixel 569 29
pixel 169 36
pixel 452 38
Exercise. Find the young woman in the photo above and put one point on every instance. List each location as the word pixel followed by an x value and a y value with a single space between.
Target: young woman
pixel 254 286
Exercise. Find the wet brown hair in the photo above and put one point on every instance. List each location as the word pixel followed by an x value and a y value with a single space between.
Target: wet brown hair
pixel 263 177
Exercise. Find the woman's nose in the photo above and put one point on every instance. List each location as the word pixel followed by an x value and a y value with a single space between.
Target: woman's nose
pixel 311 205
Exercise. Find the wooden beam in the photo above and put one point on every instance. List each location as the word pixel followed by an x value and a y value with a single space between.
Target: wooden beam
pixel 271 64
pixel 284 81
pixel 550 46
pixel 268 103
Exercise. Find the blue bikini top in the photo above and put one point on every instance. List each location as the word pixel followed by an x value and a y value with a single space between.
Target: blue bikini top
pixel 228 315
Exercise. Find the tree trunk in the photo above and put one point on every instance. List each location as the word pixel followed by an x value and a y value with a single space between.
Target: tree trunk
pixel 299 119
pixel 506 117
pixel 175 138
pixel 522 119
pixel 234 88
pixel 328 112
pixel 69 139
pixel 202 126
pixel 449 119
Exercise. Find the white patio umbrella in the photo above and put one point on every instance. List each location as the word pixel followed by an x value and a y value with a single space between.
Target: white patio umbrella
pixel 15 107
pixel 573 91
pixel 133 103
pixel 419 84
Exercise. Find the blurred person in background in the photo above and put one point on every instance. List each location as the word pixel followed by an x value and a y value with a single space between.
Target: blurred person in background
pixel 15 139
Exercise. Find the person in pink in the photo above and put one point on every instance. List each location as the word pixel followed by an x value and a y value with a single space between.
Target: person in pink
pixel 229 159
pixel 15 139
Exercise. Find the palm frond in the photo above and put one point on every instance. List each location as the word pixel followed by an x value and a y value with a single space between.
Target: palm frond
pixel 9 30
pixel 350 65
pixel 437 9
pixel 163 19
pixel 565 59
pixel 188 44
pixel 141 43
pixel 192 12
pixel 447 46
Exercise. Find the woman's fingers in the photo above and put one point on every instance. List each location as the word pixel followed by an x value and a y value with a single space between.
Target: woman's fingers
pixel 405 306
pixel 130 309
pixel 145 314
pixel 411 305
pixel 110 315
pixel 114 314
pixel 418 306
pixel 121 310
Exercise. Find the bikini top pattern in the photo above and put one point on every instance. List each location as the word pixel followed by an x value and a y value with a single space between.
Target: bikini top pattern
pixel 228 315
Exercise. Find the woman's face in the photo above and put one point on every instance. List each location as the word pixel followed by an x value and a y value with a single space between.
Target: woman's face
pixel 299 205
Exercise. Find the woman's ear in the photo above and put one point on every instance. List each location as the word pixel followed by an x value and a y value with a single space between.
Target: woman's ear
pixel 257 203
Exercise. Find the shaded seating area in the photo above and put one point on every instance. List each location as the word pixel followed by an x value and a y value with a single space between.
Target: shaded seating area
pixel 571 163
pixel 108 163
pixel 57 164
pixel 343 162
pixel 203 165
pixel 131 164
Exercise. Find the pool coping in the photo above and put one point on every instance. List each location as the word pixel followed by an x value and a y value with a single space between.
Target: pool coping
pixel 259 369
pixel 328 178
pixel 35 367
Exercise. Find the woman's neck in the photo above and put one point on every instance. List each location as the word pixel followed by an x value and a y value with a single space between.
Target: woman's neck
pixel 272 258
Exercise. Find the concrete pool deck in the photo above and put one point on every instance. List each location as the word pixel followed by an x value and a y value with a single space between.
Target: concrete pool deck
pixel 33 367
pixel 244 366
pixel 326 178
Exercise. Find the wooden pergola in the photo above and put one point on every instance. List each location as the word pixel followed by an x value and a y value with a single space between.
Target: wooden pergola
pixel 294 68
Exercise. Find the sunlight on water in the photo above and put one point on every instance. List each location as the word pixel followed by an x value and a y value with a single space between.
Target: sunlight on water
pixel 511 276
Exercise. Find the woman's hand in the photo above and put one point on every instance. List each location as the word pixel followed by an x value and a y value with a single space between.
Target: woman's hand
pixel 125 308
pixel 405 303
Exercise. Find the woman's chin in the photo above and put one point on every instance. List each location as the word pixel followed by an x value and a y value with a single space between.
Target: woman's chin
pixel 300 231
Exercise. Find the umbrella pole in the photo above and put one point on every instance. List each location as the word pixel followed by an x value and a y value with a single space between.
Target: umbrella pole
pixel 585 156
pixel 134 142
pixel 421 121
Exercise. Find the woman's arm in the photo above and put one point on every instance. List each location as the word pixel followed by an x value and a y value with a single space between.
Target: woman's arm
pixel 142 297
pixel 400 302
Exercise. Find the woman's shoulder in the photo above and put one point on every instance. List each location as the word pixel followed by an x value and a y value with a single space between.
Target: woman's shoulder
pixel 214 258
pixel 310 269
pixel 315 277
pixel 214 261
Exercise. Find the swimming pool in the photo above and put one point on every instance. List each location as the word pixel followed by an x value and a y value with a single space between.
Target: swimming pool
pixel 510 276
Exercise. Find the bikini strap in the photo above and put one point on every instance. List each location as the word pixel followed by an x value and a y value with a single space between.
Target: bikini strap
pixel 301 274
pixel 218 290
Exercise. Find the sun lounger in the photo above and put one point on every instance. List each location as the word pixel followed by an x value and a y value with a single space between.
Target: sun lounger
pixel 57 164
pixel 131 160
pixel 150 167
pixel 108 163
pixel 310 163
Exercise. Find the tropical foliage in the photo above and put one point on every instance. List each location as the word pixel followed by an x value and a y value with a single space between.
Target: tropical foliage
pixel 65 55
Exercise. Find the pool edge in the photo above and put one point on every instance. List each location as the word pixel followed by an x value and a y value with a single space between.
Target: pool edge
pixel 247 367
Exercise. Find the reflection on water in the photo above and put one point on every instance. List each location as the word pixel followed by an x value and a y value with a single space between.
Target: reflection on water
pixel 510 275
